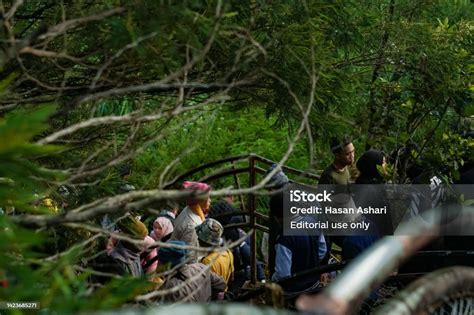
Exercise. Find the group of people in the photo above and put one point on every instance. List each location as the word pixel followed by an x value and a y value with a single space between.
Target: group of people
pixel 371 167
pixel 289 255
pixel 192 243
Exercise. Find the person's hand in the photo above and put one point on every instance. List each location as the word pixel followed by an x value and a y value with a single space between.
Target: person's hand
pixel 324 278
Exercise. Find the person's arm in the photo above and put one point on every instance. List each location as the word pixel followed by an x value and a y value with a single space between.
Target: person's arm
pixel 322 248
pixel 264 247
pixel 282 262
pixel 217 285
pixel 154 265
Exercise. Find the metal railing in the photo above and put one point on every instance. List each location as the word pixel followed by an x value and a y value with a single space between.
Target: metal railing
pixel 252 167
pixel 360 277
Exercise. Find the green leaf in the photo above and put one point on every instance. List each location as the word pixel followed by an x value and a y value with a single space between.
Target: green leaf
pixel 230 14
pixel 469 110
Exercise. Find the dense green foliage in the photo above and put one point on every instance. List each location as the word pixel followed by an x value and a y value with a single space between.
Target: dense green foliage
pixel 189 82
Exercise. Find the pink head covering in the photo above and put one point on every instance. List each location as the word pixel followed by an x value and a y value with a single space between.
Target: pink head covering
pixel 196 186
pixel 166 226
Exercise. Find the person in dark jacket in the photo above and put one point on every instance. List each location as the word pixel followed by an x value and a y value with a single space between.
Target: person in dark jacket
pixel 368 192
pixel 369 189
pixel 221 211
pixel 294 254
pixel 276 183
pixel 368 165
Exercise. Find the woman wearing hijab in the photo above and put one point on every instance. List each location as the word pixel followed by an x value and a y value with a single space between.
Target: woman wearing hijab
pixel 368 165
pixel 369 192
pixel 192 215
pixel 162 229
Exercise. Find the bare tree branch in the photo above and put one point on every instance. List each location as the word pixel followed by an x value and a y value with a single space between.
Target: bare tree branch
pixel 71 24
pixel 164 87
pixel 48 54
pixel 13 9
